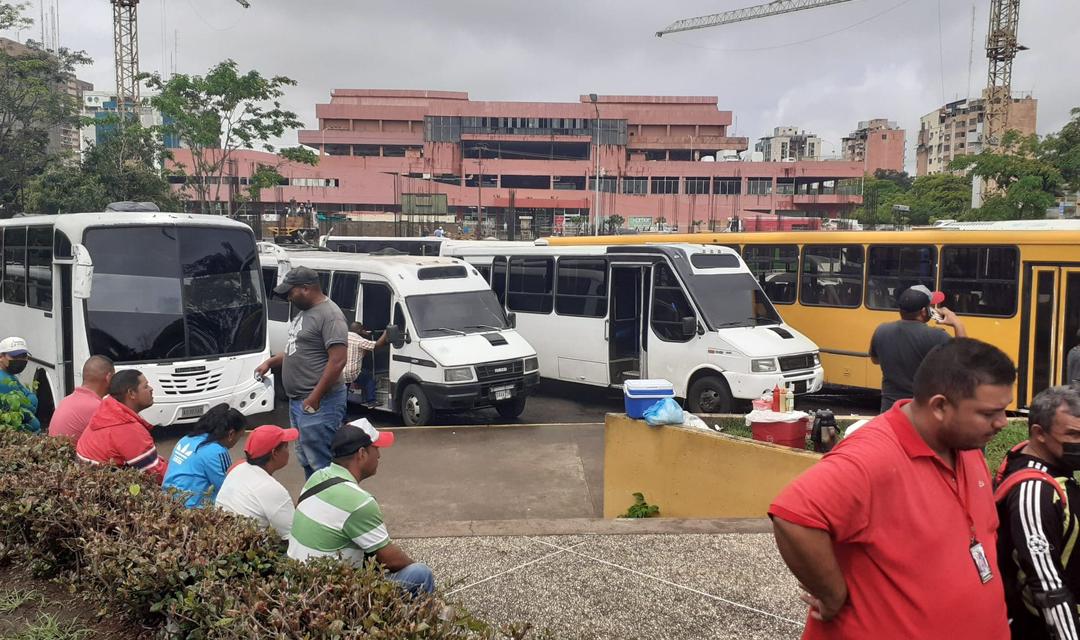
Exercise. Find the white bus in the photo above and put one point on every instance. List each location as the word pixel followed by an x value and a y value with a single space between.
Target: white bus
pixel 691 314
pixel 173 295
pixel 458 348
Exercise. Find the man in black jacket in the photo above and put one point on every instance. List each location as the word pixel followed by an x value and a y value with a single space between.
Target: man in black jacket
pixel 1038 535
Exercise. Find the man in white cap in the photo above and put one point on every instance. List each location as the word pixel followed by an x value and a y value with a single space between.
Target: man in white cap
pixel 900 346
pixel 14 356
pixel 335 517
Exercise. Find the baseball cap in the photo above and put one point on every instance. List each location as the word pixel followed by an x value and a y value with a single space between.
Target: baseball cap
pixel 918 296
pixel 266 438
pixel 14 346
pixel 295 277
pixel 354 436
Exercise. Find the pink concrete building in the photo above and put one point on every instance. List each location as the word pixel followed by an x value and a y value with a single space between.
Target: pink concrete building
pixel 878 144
pixel 528 167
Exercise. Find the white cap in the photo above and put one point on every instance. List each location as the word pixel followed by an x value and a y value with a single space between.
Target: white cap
pixel 14 346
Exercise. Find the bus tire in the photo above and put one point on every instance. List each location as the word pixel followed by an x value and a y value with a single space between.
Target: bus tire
pixel 709 394
pixel 415 407
pixel 511 409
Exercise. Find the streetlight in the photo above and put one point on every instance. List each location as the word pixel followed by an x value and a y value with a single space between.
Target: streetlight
pixel 596 172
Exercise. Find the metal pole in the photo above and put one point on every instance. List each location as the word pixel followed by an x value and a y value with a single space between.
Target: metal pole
pixel 596 172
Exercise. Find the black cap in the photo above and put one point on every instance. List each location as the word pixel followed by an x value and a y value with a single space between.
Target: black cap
pixel 295 277
pixel 918 297
pixel 356 435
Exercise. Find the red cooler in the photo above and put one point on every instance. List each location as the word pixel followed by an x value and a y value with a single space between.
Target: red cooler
pixel 788 434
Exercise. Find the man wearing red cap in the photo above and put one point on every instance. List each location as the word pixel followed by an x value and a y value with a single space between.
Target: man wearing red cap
pixel 249 488
pixel 900 346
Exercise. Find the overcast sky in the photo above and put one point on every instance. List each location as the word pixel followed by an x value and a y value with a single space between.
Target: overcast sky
pixel 822 70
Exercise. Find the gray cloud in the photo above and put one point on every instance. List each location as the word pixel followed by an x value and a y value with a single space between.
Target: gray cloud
pixel 889 66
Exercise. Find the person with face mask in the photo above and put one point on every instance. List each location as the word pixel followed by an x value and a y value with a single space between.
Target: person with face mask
pixel 14 356
pixel 311 366
pixel 1037 493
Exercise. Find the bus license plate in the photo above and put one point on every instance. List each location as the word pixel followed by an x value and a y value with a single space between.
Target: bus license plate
pixel 503 393
pixel 192 412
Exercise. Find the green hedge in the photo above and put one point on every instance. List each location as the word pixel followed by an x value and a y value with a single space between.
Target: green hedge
pixel 191 573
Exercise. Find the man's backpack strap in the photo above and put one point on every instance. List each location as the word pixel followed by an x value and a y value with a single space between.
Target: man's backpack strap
pixel 999 476
pixel 325 484
pixel 1010 483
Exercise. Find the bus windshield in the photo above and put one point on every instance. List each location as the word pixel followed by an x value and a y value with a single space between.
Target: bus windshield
pixel 170 293
pixel 444 314
pixel 731 300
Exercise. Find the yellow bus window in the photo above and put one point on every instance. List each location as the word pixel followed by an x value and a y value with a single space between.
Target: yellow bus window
pixel 890 270
pixel 776 269
pixel 832 275
pixel 980 281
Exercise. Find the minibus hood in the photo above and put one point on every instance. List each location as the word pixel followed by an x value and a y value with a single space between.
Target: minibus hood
pixel 477 348
pixel 767 340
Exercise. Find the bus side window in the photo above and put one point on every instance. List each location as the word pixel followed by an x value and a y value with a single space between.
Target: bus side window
pixel 277 308
pixel 776 268
pixel 582 287
pixel 891 270
pixel 343 292
pixel 530 285
pixel 39 245
pixel 669 305
pixel 484 270
pixel 498 278
pixel 375 305
pixel 980 281
pixel 15 265
pixel 832 275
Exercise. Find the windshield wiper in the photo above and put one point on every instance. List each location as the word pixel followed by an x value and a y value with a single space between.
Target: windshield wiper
pixel 460 333
pixel 481 326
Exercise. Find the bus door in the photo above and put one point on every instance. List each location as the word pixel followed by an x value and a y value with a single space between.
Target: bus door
pixel 626 331
pixel 1054 324
pixel 376 307
pixel 673 347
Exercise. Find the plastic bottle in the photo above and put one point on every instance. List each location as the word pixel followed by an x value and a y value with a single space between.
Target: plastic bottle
pixel 776 398
pixel 789 399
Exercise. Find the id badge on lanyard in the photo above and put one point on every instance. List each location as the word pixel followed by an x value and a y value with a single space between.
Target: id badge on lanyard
pixel 978 555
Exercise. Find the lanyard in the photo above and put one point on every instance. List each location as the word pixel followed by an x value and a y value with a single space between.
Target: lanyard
pixel 957 474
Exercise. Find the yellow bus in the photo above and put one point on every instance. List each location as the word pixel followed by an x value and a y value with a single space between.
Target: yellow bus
pixel 1019 290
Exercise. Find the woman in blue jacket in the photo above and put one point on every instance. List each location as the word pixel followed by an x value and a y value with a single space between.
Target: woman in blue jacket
pixel 201 459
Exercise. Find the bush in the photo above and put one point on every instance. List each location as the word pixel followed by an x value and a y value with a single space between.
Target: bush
pixel 190 573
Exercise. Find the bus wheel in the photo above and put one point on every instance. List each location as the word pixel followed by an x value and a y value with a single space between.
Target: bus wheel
pixel 415 408
pixel 709 395
pixel 511 408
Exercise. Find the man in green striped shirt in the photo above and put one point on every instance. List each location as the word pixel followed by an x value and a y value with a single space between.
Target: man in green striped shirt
pixel 335 517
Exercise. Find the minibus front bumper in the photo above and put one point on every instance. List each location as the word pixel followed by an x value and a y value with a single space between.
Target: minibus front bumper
pixel 472 395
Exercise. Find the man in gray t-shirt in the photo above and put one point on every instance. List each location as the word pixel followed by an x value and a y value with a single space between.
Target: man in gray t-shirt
pixel 1072 364
pixel 900 346
pixel 311 367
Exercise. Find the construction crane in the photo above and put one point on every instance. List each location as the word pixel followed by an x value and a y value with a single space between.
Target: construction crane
pixel 1001 49
pixel 126 52
pixel 741 15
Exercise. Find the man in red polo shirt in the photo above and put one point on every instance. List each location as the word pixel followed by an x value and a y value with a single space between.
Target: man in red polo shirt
pixel 893 534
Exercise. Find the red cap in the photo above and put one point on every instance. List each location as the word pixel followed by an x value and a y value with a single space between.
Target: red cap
pixel 266 438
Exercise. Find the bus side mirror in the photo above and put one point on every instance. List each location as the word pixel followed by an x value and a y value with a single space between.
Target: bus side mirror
pixel 82 274
pixel 689 327
pixel 395 336
pixel 511 320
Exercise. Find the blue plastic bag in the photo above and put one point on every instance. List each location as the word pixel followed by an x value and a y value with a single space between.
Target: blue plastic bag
pixel 666 411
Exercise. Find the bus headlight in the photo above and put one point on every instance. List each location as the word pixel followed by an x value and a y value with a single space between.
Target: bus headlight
pixel 532 364
pixel 461 374
pixel 763 365
pixel 817 358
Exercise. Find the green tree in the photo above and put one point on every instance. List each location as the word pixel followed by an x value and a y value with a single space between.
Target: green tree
pixel 614 222
pixel 1062 151
pixel 218 114
pixel 1021 183
pixel 127 165
pixel 938 196
pixel 33 100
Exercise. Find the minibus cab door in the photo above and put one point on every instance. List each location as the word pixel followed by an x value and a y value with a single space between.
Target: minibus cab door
pixel 625 326
pixel 374 312
pixel 675 346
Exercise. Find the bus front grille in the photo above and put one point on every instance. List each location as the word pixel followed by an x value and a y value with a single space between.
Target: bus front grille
pixel 793 363
pixel 186 384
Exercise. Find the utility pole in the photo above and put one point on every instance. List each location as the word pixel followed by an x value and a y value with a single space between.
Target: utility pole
pixel 479 196
pixel 596 174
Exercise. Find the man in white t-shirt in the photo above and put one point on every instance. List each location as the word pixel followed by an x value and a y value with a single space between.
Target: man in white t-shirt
pixel 249 488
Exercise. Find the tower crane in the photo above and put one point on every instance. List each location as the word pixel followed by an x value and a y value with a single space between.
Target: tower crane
pixel 126 51
pixel 1001 49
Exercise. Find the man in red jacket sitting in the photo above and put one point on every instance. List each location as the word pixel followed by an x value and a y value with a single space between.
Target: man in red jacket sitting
pixel 116 433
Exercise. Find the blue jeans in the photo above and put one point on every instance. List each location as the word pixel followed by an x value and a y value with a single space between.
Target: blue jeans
pixel 317 429
pixel 415 578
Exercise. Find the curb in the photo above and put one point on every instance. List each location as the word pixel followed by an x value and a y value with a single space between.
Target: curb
pixel 579 526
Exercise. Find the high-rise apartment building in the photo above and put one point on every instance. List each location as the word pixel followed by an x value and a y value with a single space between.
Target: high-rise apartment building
pixel 789 144
pixel 528 169
pixel 956 129
pixel 878 144
pixel 99 107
